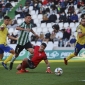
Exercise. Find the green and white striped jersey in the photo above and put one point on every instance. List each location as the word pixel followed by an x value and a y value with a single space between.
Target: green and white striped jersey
pixel 24 35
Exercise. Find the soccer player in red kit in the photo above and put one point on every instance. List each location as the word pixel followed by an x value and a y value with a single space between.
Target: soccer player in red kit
pixel 38 55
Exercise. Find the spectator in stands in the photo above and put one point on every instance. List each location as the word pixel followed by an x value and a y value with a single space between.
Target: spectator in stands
pixel 71 9
pixel 57 35
pixel 81 8
pixel 70 2
pixel 44 2
pixel 1 4
pixel 41 38
pixel 47 36
pixel 58 8
pixel 45 18
pixel 62 17
pixel 69 18
pixel 19 10
pixel 3 10
pixel 65 37
pixel 74 17
pixel 1 14
pixel 72 41
pixel 80 2
pixel 68 31
pixel 83 11
pixel 25 10
pixel 35 7
pixel 52 18
pixel 31 3
pixel 53 9
pixel 63 5
pixel 8 6
pixel 14 35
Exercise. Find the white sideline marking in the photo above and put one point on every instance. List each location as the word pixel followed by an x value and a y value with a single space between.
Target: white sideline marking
pixel 81 80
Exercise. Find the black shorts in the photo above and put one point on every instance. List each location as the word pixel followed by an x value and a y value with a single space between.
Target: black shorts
pixel 31 64
pixel 19 48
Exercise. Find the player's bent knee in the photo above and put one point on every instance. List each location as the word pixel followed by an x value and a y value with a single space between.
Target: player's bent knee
pixel 31 50
pixel 12 51
pixel 18 67
pixel 25 59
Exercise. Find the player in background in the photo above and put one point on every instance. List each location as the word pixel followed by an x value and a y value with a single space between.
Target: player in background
pixel 38 55
pixel 23 40
pixel 3 42
pixel 80 43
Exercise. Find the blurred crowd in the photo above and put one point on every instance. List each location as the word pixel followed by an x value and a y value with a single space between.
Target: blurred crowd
pixel 54 12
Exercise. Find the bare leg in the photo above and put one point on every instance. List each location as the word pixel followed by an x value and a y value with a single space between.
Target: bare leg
pixel 1 56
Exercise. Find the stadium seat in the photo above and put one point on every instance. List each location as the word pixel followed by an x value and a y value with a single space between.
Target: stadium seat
pixel 43 25
pixel 40 17
pixel 33 42
pixel 39 30
pixel 60 24
pixel 13 3
pixel 32 12
pixel 71 24
pixel 34 29
pixel 34 16
pixel 73 29
pixel 49 46
pixel 50 30
pixel 16 17
pixel 77 23
pixel 49 25
pixel 45 30
pixel 30 8
pixel 66 25
pixel 36 21
pixel 11 30
pixel 38 43
pixel 55 43
pixel 19 21
pixel 38 24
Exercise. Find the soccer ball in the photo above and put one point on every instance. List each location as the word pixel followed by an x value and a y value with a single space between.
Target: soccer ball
pixel 58 71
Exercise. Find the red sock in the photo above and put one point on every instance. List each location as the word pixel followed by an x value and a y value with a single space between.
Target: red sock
pixel 24 65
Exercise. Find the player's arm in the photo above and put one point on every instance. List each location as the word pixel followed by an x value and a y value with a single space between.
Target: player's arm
pixel 80 34
pixel 1 28
pixel 34 33
pixel 11 37
pixel 21 28
pixel 48 70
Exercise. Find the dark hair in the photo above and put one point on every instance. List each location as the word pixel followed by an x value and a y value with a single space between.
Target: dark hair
pixel 27 15
pixel 44 44
pixel 56 26
pixel 6 17
pixel 82 18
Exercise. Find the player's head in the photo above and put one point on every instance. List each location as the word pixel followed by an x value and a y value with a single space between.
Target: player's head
pixel 42 47
pixel 83 21
pixel 55 27
pixel 27 18
pixel 6 20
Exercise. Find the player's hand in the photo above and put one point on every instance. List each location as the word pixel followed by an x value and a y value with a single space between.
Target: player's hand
pixel 1 28
pixel 28 30
pixel 48 70
pixel 36 36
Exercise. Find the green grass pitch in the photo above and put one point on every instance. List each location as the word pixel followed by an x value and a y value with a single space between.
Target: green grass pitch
pixel 73 74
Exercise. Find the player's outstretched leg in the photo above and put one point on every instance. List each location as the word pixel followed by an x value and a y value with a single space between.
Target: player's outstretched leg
pixel 65 61
pixel 11 65
pixel 4 65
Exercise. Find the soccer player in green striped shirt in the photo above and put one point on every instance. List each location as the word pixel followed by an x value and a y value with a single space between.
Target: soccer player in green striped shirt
pixel 23 40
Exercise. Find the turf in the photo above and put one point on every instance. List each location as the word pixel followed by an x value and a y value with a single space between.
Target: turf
pixel 74 74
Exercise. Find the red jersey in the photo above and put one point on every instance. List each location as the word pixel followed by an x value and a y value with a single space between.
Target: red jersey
pixel 38 56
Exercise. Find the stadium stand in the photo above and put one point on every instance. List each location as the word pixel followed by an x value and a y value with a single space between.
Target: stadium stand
pixel 68 14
